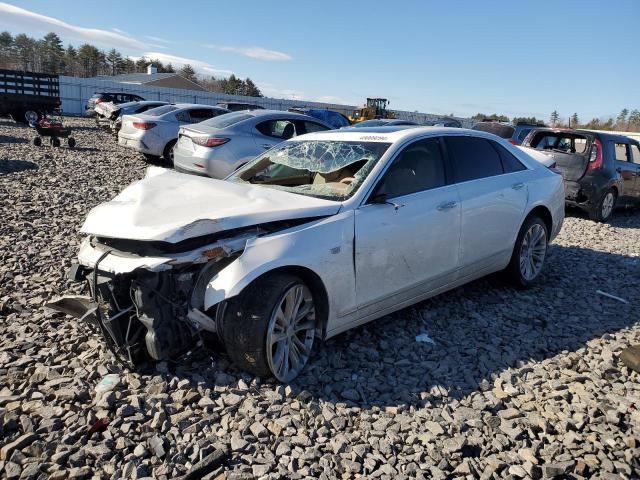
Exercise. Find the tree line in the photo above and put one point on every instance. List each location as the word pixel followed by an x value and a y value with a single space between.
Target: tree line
pixel 49 55
pixel 626 121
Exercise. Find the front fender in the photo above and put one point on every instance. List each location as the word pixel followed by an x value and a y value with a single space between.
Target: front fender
pixel 324 246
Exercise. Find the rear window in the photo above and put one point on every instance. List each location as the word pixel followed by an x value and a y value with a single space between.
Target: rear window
pixel 499 129
pixel 226 120
pixel 156 112
pixel 559 141
pixel 523 133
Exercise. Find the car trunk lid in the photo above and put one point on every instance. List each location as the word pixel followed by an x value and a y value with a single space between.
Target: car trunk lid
pixel 569 150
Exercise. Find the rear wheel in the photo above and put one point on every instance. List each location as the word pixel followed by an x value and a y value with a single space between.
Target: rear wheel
pixel 150 158
pixel 71 142
pixel 54 141
pixel 37 141
pixel 604 208
pixel 167 155
pixel 269 329
pixel 529 252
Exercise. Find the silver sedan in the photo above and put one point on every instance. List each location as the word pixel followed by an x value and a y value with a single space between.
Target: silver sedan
pixel 219 146
pixel 154 132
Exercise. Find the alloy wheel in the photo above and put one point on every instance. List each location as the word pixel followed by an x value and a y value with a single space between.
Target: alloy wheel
pixel 291 332
pixel 31 116
pixel 607 204
pixel 533 251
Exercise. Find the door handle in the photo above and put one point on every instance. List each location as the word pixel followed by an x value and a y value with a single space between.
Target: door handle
pixel 517 186
pixel 447 206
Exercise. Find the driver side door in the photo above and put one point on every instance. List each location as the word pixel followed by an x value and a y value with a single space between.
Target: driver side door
pixel 409 245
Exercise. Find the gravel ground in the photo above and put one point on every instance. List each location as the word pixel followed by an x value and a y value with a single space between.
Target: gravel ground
pixel 517 384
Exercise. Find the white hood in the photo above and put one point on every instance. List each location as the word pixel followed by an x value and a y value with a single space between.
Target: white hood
pixel 170 206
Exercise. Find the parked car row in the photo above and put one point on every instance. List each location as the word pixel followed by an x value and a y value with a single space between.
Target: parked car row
pixel 600 170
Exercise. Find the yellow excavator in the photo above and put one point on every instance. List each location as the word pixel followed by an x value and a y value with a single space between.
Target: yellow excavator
pixel 375 108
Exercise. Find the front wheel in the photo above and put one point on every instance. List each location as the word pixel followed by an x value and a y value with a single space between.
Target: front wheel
pixel 269 329
pixel 604 208
pixel 529 252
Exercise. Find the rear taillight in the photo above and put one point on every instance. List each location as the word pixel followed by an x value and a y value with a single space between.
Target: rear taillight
pixel 99 100
pixel 595 159
pixel 512 141
pixel 209 141
pixel 143 125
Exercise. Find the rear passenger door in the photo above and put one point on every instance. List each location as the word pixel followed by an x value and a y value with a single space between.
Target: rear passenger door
pixel 275 131
pixel 628 172
pixel 493 194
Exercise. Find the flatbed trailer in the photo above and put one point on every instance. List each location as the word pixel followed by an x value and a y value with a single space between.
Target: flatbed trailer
pixel 28 96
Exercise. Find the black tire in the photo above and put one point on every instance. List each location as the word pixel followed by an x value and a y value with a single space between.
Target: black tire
pixel 601 213
pixel 54 142
pixel 37 141
pixel 150 158
pixel 515 270
pixel 246 319
pixel 167 154
pixel 71 142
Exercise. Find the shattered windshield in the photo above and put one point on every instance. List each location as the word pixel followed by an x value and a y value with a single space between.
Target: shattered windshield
pixel 331 169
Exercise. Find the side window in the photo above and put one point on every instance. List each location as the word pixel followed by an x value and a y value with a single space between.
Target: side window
pixel 635 153
pixel 419 167
pixel 201 114
pixel 183 116
pixel 283 129
pixel 473 158
pixel 309 127
pixel 621 152
pixel 509 162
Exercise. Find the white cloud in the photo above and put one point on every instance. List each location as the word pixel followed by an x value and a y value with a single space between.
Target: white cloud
pixel 253 52
pixel 19 17
pixel 198 65
pixel 268 90
pixel 332 99
pixel 157 39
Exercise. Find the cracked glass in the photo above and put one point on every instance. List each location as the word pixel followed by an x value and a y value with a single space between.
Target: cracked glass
pixel 329 169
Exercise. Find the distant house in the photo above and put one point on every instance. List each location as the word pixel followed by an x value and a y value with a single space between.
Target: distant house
pixel 154 79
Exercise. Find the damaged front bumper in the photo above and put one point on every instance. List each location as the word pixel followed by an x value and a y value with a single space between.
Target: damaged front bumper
pixel 147 307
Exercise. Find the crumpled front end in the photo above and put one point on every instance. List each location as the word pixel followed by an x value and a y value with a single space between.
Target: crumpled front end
pixel 147 303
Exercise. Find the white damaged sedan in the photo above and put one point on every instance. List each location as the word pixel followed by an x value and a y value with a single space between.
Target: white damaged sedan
pixel 320 234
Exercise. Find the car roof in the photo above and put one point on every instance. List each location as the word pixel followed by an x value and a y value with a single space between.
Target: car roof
pixel 391 134
pixel 584 131
pixel 197 105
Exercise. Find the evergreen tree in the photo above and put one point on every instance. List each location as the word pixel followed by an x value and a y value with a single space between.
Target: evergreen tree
pixel 554 118
pixel 575 120
pixel 189 73
pixel 114 61
pixel 251 89
pixel 621 120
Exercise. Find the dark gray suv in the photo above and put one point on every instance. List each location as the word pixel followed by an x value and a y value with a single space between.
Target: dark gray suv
pixel 600 170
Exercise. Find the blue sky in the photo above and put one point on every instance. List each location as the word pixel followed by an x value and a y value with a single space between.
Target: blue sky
pixel 461 57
